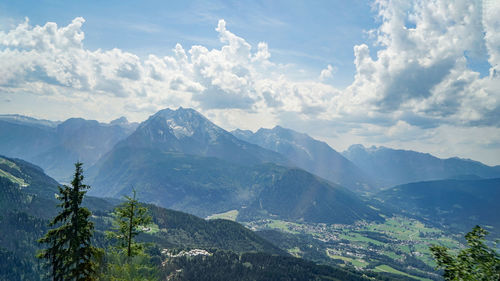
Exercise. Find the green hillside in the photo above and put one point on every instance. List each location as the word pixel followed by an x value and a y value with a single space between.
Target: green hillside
pixel 204 186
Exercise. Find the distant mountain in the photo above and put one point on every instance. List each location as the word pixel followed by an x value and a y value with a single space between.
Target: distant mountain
pixel 186 131
pixel 296 195
pixel 180 160
pixel 389 167
pixel 25 120
pixel 458 204
pixel 309 154
pixel 56 146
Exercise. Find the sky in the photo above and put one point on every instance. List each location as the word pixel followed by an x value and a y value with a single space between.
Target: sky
pixel 420 75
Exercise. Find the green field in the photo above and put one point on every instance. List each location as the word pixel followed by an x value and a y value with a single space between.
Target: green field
pixel 357 262
pixel 10 164
pixel 386 268
pixel 229 215
pixel 12 178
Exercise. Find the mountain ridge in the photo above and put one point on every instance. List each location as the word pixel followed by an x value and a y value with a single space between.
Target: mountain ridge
pixel 389 167
pixel 309 154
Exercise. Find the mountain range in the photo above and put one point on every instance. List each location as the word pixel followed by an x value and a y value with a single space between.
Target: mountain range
pixel 389 167
pixel 309 154
pixel 56 146
pixel 27 202
pixel 180 160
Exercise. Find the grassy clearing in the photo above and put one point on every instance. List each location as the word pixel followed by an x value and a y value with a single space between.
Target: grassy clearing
pixel 296 252
pixel 282 225
pixel 355 262
pixel 13 165
pixel 152 228
pixel 386 268
pixel 229 215
pixel 12 178
pixel 356 237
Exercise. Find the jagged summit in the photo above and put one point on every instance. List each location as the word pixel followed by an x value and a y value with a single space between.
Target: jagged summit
pixel 185 130
pixel 182 123
pixel 119 121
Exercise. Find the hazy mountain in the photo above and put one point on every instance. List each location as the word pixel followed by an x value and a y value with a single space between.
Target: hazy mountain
pixel 25 140
pixel 460 204
pixel 389 167
pixel 296 195
pixel 56 146
pixel 187 131
pixel 25 120
pixel 309 154
pixel 179 159
pixel 79 140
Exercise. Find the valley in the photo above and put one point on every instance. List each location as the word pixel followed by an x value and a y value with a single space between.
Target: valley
pixel 400 243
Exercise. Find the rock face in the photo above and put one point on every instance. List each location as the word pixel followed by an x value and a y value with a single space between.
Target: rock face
pixel 309 154
pixel 187 131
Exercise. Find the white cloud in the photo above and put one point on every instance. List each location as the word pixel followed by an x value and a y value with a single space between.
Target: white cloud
pixel 327 73
pixel 416 83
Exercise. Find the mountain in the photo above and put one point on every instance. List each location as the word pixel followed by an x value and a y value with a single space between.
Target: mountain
pixel 309 154
pixel 26 120
pixel 186 131
pixel 27 202
pixel 389 167
pixel 296 195
pixel 208 185
pixel 56 146
pixel 459 204
pixel 180 160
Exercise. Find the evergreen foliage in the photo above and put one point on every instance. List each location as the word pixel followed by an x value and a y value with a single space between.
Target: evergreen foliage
pixel 478 262
pixel 130 218
pixel 120 267
pixel 127 260
pixel 227 265
pixel 70 254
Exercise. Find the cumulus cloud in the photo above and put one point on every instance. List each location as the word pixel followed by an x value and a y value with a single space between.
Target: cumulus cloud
pixel 417 81
pixel 421 67
pixel 326 73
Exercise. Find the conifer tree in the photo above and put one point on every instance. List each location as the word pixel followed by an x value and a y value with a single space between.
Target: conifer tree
pixel 69 252
pixel 128 260
pixel 130 219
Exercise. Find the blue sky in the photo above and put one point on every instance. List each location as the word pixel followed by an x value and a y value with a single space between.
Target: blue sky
pixel 421 75
pixel 154 27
